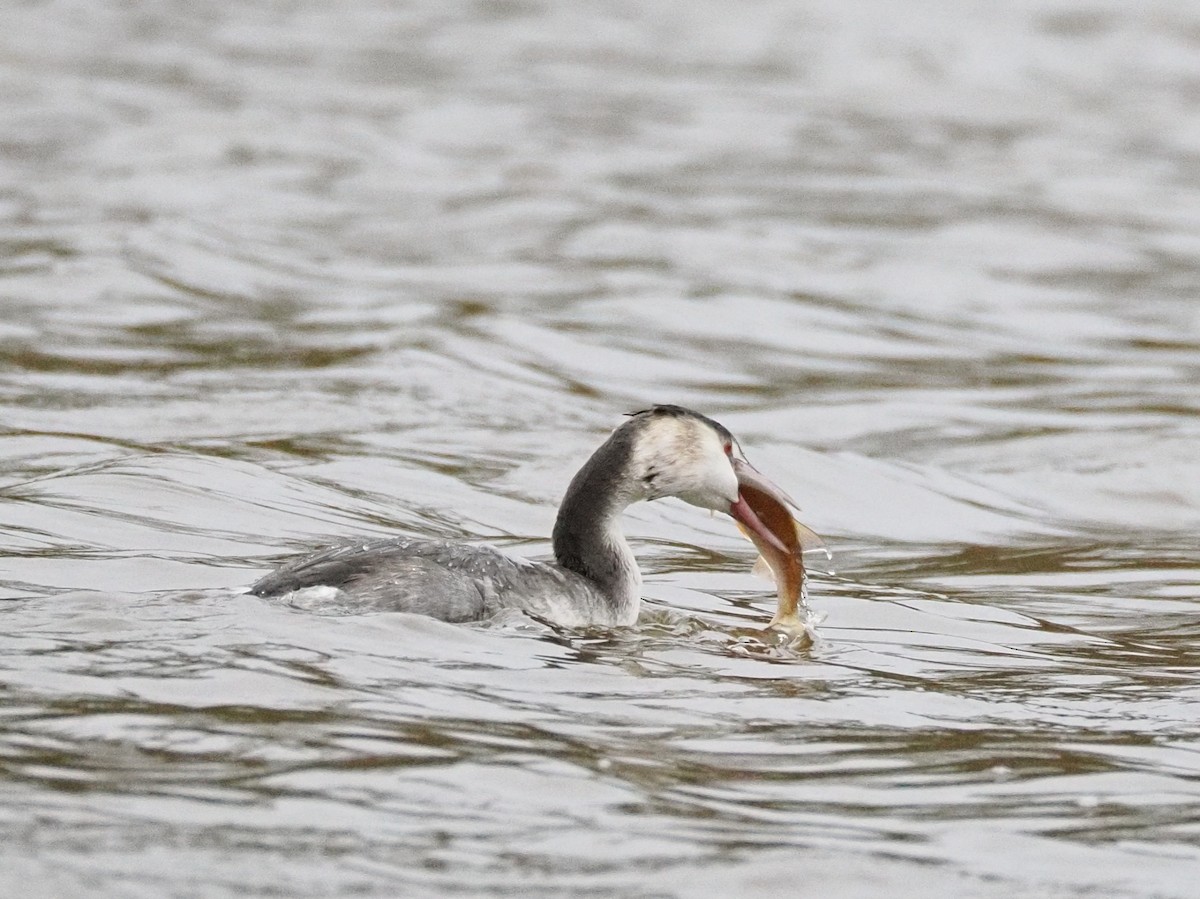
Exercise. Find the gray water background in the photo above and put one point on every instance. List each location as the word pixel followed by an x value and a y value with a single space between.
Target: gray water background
pixel 274 273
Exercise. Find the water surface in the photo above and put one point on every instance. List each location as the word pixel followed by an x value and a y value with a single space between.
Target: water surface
pixel 275 274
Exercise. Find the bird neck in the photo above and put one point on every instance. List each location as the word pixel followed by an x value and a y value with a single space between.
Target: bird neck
pixel 587 533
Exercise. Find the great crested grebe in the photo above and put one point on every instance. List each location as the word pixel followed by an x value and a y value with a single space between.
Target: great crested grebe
pixel 594 579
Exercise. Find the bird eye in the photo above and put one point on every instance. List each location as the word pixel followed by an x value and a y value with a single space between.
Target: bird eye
pixel 728 448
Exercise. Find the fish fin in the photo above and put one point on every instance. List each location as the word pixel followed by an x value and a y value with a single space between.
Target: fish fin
pixel 810 541
pixel 763 570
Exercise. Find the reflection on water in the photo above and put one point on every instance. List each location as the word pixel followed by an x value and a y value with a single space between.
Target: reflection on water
pixel 276 274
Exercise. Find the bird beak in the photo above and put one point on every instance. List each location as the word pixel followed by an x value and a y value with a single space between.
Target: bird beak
pixel 755 490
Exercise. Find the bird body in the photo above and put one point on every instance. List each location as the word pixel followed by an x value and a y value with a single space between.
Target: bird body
pixel 594 578
pixel 450 581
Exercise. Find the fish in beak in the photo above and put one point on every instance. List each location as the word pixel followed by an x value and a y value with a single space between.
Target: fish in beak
pixel 762 514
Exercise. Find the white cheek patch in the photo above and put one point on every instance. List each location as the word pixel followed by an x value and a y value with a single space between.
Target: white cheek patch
pixel 670 442
pixel 688 461
pixel 722 480
pixel 710 481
